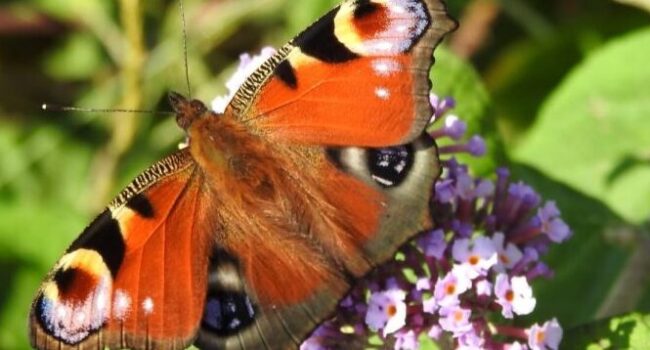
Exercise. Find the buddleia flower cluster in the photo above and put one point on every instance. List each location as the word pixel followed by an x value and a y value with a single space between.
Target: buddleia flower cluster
pixel 466 280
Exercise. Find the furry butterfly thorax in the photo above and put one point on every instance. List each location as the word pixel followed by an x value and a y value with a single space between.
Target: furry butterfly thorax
pixel 316 172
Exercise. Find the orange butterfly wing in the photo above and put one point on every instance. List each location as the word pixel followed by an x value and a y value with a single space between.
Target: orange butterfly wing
pixel 358 76
pixel 120 283
pixel 289 223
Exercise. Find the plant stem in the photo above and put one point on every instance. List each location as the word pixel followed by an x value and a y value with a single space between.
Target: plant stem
pixel 124 126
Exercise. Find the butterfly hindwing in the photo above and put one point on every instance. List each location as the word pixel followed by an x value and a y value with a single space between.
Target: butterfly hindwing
pixel 136 277
pixel 358 76
pixel 282 293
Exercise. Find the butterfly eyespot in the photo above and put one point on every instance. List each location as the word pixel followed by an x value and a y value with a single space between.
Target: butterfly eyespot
pixel 75 302
pixel 390 166
pixel 226 313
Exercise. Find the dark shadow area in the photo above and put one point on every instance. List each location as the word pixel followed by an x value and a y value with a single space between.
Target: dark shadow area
pixel 625 165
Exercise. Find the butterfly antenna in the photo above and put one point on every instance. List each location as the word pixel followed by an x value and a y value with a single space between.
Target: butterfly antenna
pixel 55 108
pixel 187 69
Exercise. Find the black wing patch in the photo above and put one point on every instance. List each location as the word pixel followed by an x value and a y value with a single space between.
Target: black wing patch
pixel 103 236
pixel 320 41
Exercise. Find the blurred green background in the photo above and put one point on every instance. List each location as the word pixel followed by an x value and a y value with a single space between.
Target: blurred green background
pixel 560 89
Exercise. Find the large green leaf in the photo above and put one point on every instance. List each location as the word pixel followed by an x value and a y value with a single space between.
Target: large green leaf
pixel 593 133
pixel 453 76
pixel 630 331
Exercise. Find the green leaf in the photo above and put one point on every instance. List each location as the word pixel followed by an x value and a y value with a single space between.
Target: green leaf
pixel 593 133
pixel 630 331
pixel 453 76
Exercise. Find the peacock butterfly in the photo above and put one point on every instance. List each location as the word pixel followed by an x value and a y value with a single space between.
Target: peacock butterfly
pixel 249 236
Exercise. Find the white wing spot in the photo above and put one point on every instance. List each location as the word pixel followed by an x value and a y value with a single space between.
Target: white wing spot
pixel 385 67
pixel 382 93
pixel 147 306
pixel 101 301
pixel 121 305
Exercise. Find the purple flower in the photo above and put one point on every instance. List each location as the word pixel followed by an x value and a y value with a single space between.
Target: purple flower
pixel 440 106
pixel 477 256
pixel 451 286
pixel 515 346
pixel 540 270
pixel 455 319
pixel 406 340
pixel 514 295
pixel 471 341
pixel 386 310
pixel 435 331
pixel 465 186
pixel 433 243
pixel 430 305
pixel 476 146
pixel 546 336
pixel 445 191
pixel 317 339
pixel 508 253
pixel 453 128
pixel 554 227
pixel 247 65
pixel 483 287
pixel 484 188
pixel 423 283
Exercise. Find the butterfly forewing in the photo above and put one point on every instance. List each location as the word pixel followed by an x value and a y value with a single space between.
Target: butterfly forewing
pixel 136 276
pixel 357 77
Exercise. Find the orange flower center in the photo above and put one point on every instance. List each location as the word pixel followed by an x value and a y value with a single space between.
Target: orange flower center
pixel 510 295
pixel 391 310
pixel 451 288
pixel 473 260
pixel 541 335
pixel 458 316
pixel 504 258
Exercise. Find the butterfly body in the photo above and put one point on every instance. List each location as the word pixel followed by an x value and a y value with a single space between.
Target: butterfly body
pixel 265 191
pixel 314 174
